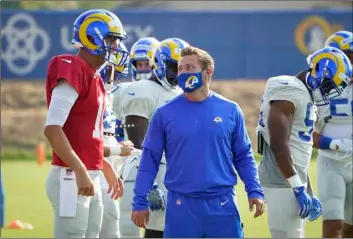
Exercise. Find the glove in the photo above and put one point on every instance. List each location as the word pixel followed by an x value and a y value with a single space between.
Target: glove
pixel 315 210
pixel 342 145
pixel 156 199
pixel 304 201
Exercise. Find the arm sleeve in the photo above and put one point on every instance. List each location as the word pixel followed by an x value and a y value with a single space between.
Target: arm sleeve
pixel 62 100
pixel 67 69
pixel 145 178
pixel 243 157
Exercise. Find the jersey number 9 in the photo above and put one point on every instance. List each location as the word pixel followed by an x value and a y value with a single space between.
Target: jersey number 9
pixel 307 135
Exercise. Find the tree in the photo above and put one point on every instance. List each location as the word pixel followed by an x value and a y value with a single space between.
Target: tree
pixel 10 4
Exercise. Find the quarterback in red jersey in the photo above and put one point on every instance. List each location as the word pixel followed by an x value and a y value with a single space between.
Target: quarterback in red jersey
pixel 75 99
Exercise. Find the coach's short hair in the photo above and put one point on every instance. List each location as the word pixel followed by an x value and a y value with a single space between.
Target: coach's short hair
pixel 204 57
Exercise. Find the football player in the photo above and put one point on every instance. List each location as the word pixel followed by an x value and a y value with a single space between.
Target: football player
pixel 140 56
pixel 142 100
pixel 285 129
pixel 73 127
pixel 333 137
pixel 112 149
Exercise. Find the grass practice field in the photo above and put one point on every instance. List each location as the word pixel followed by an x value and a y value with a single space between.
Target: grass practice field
pixel 25 200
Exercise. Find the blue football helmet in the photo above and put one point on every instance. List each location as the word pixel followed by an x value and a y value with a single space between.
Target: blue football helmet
pixel 142 50
pixel 99 32
pixel 165 62
pixel 329 74
pixel 342 40
pixel 111 74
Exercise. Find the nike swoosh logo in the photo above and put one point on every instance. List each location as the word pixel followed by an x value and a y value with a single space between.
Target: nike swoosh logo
pixel 284 83
pixel 68 61
pixel 131 93
pixel 222 203
pixel 134 159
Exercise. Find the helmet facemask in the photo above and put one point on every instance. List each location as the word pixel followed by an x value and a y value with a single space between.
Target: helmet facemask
pixel 324 88
pixel 172 73
pixel 138 73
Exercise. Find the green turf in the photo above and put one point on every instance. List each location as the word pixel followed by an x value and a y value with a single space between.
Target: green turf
pixel 26 200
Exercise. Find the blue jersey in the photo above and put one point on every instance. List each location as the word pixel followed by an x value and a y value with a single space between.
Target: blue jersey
pixel 203 143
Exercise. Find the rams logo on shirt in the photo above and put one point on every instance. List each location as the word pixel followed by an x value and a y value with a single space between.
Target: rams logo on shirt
pixel 191 81
pixel 218 120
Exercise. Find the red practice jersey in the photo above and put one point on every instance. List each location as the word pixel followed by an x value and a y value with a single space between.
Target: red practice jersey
pixel 83 127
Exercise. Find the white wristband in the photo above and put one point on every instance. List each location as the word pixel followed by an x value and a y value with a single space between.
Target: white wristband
pixel 115 150
pixel 295 181
pixel 333 145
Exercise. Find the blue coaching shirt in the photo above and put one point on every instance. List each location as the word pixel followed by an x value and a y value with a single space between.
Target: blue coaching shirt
pixel 203 143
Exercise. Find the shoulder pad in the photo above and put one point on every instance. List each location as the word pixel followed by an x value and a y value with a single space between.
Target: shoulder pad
pixel 285 82
pixel 138 90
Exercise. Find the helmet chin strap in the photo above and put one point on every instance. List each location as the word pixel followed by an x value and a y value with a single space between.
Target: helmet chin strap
pixel 101 68
pixel 306 79
pixel 112 75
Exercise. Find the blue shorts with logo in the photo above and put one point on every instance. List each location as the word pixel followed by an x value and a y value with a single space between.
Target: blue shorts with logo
pixel 197 218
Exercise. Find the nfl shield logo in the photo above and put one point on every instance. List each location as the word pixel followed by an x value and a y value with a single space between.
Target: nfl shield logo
pixel 69 172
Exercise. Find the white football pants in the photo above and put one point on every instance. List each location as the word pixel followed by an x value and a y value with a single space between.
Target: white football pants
pixel 335 188
pixel 111 216
pixel 283 217
pixel 74 216
pixel 127 227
